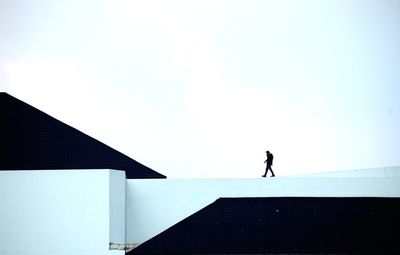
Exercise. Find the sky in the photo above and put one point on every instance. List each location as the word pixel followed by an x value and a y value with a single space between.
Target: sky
pixel 201 89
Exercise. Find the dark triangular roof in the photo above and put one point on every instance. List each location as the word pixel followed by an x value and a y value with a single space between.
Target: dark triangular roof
pixel 30 139
pixel 284 225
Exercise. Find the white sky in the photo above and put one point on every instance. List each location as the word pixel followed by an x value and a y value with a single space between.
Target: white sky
pixel 203 88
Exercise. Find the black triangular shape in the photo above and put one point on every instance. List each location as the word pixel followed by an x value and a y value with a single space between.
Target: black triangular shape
pixel 31 139
pixel 284 225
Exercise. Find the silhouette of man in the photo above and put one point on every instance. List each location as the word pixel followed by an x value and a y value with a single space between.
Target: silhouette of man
pixel 269 160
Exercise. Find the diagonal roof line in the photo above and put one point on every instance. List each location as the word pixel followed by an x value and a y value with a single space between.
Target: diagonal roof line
pixel 286 225
pixel 31 139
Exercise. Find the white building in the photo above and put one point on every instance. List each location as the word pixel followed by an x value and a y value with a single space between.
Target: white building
pixel 62 192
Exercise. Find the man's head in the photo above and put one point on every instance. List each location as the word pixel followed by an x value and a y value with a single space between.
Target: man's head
pixel 267 152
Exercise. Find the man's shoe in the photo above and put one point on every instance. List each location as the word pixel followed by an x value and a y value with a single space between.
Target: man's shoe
pixel 273 175
pixel 263 175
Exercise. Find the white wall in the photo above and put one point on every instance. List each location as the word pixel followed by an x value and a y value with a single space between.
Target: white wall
pixel 56 212
pixel 155 205
pixel 117 198
pixel 82 212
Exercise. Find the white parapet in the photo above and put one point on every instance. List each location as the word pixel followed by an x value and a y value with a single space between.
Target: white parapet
pixel 61 212
pixel 386 172
pixel 155 205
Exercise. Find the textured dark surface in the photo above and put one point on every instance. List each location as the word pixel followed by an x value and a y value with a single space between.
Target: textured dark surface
pixel 30 139
pixel 284 225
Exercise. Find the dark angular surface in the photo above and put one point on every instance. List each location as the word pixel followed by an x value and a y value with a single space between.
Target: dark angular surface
pixel 285 225
pixel 30 139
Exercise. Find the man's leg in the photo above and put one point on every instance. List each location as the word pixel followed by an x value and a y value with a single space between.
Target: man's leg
pixel 265 174
pixel 269 167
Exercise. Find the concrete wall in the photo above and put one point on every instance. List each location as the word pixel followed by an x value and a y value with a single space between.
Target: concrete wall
pixel 82 212
pixel 117 198
pixel 60 212
pixel 155 205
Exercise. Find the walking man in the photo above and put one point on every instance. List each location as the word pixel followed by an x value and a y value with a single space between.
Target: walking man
pixel 269 160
